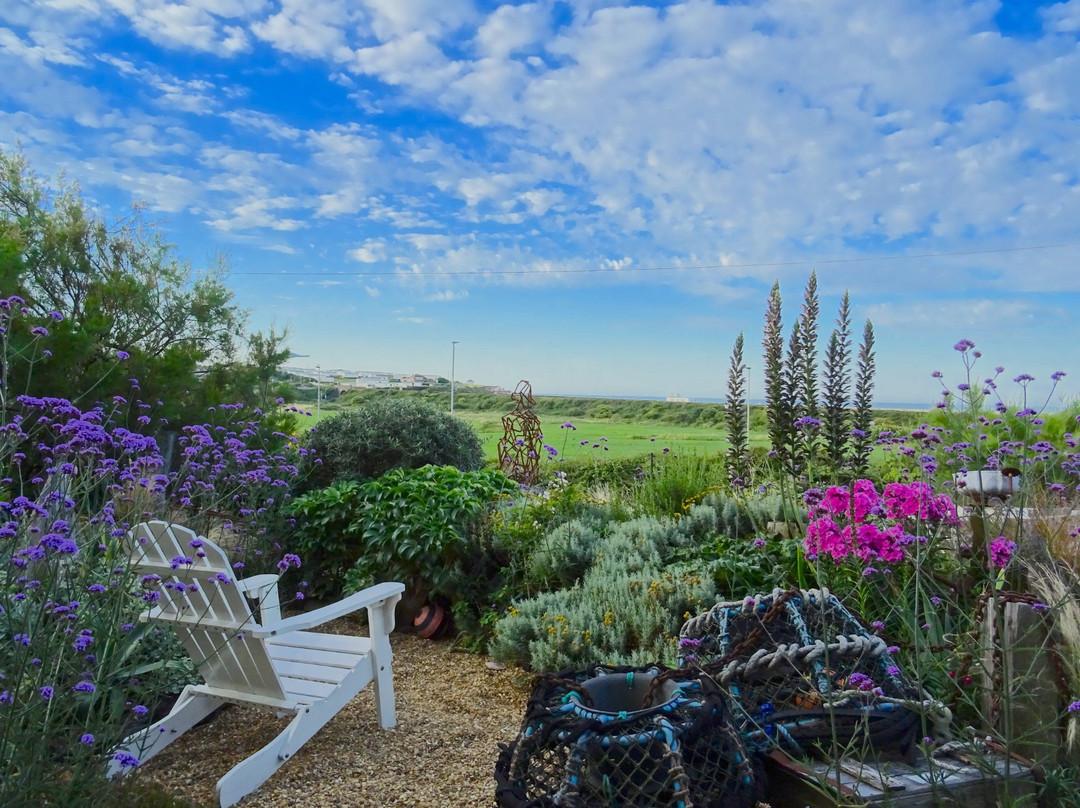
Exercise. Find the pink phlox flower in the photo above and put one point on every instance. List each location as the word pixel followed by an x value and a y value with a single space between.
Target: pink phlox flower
pixel 836 501
pixel 823 536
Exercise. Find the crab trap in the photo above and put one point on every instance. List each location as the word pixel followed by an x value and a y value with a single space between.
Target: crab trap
pixel 626 737
pixel 803 674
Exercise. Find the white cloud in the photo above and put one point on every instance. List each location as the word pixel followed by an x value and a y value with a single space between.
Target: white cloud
pixel 513 28
pixel 308 28
pixel 47 47
pixel 447 296
pixel 372 291
pixel 412 60
pixel 391 19
pixel 195 25
pixel 1063 17
pixel 370 252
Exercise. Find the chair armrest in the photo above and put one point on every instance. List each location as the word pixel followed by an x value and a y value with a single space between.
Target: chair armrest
pixel 372 596
pixel 257 582
pixel 265 588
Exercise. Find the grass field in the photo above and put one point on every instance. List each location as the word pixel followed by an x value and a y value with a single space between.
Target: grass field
pixel 607 439
pixel 626 428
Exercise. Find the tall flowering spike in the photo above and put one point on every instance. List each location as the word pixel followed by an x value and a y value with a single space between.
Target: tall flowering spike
pixel 808 334
pixel 735 415
pixel 803 376
pixel 837 390
pixel 862 416
pixel 775 399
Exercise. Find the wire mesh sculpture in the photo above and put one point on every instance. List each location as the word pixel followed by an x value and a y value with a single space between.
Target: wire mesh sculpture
pixel 635 738
pixel 803 673
pixel 519 450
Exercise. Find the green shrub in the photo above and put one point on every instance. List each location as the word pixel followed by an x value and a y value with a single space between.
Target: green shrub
pixel 324 538
pixel 673 484
pixel 391 433
pixel 419 526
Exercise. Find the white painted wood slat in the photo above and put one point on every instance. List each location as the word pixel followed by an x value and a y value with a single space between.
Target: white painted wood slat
pixel 281 666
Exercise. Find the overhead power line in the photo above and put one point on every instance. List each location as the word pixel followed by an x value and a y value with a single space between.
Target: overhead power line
pixel 674 268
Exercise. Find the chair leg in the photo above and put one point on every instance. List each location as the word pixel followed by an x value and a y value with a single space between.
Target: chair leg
pixel 382 663
pixel 191 708
pixel 252 772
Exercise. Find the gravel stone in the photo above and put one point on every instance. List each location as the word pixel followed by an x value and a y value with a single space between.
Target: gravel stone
pixel 453 710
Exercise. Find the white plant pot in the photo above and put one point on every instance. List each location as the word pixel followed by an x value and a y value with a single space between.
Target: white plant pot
pixel 987 483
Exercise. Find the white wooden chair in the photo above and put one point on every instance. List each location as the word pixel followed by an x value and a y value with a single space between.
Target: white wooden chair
pixel 267 662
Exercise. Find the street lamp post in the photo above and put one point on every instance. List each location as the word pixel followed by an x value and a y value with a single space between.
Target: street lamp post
pixel 318 389
pixel 453 361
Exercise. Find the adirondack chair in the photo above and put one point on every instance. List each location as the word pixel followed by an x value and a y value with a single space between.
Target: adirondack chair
pixel 268 662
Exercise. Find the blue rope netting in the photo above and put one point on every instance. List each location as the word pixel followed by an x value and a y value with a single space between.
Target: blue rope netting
pixel 627 737
pixel 804 673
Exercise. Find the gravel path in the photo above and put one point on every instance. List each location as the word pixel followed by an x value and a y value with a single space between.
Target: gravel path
pixel 452 713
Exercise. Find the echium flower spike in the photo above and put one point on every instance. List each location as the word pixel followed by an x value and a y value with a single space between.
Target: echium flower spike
pixel 806 386
pixel 792 406
pixel 775 400
pixel 837 373
pixel 734 416
pixel 864 396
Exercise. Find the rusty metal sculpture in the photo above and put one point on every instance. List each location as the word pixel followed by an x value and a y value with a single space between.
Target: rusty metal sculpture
pixel 519 451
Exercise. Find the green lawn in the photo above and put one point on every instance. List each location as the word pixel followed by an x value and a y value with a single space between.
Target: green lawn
pixel 607 439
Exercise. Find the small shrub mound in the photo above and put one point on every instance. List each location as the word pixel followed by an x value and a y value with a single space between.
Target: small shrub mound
pixel 391 433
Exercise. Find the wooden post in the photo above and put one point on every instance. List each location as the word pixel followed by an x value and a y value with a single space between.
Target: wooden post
pixel 1017 665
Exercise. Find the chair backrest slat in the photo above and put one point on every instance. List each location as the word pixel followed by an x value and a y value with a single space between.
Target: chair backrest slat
pixel 202 603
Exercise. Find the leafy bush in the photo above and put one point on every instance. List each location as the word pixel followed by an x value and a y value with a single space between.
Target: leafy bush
pixel 325 539
pixel 418 526
pixel 391 433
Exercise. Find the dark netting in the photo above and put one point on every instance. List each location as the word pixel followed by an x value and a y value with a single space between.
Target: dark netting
pixel 627 737
pixel 803 673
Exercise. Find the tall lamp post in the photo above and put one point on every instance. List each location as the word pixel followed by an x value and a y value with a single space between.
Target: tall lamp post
pixel 453 361
pixel 318 389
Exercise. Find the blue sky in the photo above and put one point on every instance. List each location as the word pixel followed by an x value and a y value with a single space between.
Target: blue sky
pixel 595 196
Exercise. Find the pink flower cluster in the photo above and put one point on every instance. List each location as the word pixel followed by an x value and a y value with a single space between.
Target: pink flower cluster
pixel 870 526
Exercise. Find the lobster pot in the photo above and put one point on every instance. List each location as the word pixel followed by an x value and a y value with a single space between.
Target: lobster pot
pixel 802 673
pixel 635 738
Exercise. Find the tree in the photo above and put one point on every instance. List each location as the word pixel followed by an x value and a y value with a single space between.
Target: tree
pixel 117 301
pixel 266 353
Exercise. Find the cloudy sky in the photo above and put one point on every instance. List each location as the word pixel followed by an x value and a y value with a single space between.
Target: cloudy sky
pixel 596 196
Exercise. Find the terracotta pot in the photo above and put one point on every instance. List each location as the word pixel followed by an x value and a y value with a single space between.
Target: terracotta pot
pixel 431 621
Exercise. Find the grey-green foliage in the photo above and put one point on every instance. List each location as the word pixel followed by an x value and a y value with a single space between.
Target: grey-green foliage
pixel 391 433
pixel 738 520
pixel 626 605
pixel 625 611
pixel 564 553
